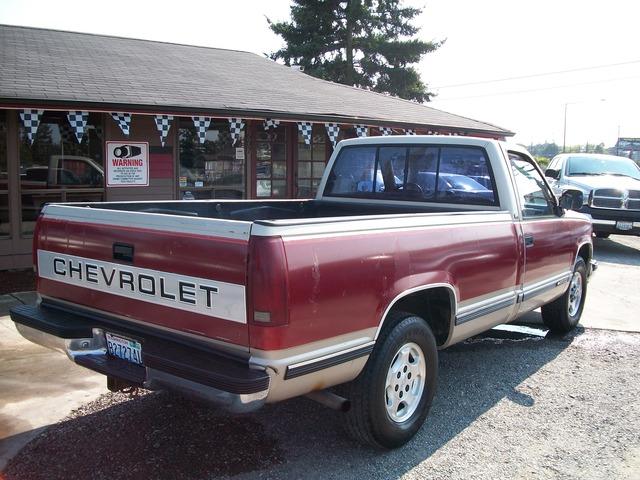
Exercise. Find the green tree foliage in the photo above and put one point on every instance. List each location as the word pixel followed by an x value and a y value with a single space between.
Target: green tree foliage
pixel 365 43
pixel 550 150
pixel 545 149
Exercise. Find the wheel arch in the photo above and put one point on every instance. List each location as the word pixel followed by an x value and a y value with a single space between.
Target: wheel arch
pixel 435 303
pixel 585 250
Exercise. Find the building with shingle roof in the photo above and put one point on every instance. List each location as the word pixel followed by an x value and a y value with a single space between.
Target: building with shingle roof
pixel 211 123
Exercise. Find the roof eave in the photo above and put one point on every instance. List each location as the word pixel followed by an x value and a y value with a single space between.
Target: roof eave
pixel 248 114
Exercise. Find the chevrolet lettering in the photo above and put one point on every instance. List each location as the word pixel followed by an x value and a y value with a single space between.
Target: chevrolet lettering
pixel 412 244
pixel 176 291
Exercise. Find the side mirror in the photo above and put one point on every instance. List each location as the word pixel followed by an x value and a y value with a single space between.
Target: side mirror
pixel 572 199
pixel 551 173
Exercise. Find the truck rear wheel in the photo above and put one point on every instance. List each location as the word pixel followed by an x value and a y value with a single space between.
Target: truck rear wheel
pixel 563 314
pixel 392 396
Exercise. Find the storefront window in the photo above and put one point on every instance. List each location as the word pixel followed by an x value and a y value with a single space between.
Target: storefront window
pixel 56 164
pixel 4 178
pixel 271 162
pixel 311 162
pixel 213 169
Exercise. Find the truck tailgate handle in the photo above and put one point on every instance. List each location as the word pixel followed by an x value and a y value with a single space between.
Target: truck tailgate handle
pixel 123 251
pixel 528 240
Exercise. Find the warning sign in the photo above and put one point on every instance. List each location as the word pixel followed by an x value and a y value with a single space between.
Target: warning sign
pixel 127 164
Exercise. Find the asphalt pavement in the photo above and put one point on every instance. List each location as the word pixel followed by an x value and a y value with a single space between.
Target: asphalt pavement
pixel 38 387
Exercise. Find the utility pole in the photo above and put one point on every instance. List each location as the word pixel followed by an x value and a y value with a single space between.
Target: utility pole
pixel 564 136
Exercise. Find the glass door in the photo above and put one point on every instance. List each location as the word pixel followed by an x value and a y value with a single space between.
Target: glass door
pixel 271 162
pixel 311 161
pixel 5 217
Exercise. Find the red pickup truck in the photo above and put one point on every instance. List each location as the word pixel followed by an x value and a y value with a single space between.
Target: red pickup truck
pixel 411 245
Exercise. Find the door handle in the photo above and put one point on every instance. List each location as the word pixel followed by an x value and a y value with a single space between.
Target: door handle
pixel 528 241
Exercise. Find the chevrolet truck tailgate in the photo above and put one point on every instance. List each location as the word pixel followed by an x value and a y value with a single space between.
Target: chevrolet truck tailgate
pixel 180 273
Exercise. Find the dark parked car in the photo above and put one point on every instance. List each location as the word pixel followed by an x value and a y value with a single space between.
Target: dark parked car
pixel 610 185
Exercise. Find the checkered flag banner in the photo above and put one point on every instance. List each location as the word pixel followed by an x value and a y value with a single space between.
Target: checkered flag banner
pixel 333 130
pixel 306 129
pixel 235 127
pixel 386 131
pixel 163 122
pixel 270 123
pixel 31 120
pixel 409 131
pixel 124 120
pixel 201 124
pixel 78 121
pixel 361 130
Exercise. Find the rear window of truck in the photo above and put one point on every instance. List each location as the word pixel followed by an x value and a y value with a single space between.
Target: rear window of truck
pixel 423 173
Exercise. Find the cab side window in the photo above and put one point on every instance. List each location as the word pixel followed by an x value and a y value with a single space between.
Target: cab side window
pixel 535 198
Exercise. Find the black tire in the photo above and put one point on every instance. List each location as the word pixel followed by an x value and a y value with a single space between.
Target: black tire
pixel 558 315
pixel 368 419
pixel 602 235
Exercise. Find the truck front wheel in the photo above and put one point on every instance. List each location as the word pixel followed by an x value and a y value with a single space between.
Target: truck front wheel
pixel 392 396
pixel 563 314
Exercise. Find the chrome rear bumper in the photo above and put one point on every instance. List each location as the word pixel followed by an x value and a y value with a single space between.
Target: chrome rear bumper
pixel 200 374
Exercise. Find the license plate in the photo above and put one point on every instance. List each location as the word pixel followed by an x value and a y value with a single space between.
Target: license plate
pixel 124 348
pixel 624 225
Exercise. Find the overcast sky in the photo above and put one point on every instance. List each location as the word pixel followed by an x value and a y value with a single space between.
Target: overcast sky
pixel 487 40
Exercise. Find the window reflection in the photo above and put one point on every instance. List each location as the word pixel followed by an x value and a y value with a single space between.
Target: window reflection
pixel 215 168
pixel 55 164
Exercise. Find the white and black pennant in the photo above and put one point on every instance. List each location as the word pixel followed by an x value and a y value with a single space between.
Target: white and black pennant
pixel 163 122
pixel 306 130
pixel 361 130
pixel 270 123
pixel 31 121
pixel 201 124
pixel 333 130
pixel 235 128
pixel 124 121
pixel 78 121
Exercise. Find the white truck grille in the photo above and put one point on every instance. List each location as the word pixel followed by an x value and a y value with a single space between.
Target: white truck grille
pixel 616 199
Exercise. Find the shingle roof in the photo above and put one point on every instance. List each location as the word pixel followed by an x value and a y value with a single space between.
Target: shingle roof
pixel 50 67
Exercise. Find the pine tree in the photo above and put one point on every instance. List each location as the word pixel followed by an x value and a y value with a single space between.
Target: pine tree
pixel 365 43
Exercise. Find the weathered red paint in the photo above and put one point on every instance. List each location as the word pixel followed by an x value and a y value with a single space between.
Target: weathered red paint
pixel 216 258
pixel 344 284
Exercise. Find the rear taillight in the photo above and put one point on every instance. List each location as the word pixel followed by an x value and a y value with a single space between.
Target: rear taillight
pixel 267 288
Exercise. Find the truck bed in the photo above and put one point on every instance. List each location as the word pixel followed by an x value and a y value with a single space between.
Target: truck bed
pixel 256 211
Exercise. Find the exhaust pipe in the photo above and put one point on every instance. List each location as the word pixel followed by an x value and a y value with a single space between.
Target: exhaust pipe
pixel 330 399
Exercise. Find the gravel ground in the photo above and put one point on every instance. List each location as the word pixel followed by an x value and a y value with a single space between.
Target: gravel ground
pixel 515 407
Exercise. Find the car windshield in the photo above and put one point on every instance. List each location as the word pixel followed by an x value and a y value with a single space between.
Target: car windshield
pixel 602 166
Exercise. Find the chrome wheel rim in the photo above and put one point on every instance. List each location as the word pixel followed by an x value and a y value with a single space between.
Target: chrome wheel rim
pixel 405 382
pixel 575 293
